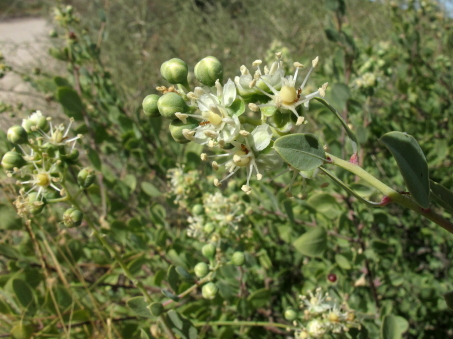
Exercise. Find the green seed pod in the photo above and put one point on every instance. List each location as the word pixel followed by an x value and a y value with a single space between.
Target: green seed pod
pixel 209 228
pixel 201 270
pixel 171 103
pixel 11 160
pixel 34 122
pixel 86 177
pixel 149 105
pixel 17 135
pixel 72 217
pixel 208 70
pixel 238 258
pixel 290 314
pixel 208 251
pixel 175 71
pixel 177 126
pixel 35 204
pixel 197 209
pixel 209 290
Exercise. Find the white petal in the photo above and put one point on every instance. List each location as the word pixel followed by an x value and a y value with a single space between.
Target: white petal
pixel 262 136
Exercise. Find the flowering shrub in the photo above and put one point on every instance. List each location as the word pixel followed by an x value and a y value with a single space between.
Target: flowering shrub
pixel 254 204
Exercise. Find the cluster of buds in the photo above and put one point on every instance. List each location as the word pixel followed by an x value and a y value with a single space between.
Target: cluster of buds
pixel 40 160
pixel 240 120
pixel 320 316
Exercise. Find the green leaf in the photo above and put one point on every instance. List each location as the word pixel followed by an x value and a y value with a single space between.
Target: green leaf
pixel 71 102
pixel 323 202
pixel 156 309
pixel 332 34
pixel 411 163
pixel 139 307
pixel 343 262
pixel 340 94
pixel 181 326
pixel 170 295
pixel 442 196
pixel 184 274
pixel 62 82
pixel 259 298
pixel 390 328
pixel 312 243
pixel 94 158
pixel 173 278
pixel 302 151
pixel 449 299
pixel 150 189
pixel 23 292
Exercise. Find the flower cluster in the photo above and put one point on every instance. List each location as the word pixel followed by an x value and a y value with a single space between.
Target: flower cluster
pixel 321 316
pixel 184 186
pixel 239 120
pixel 39 161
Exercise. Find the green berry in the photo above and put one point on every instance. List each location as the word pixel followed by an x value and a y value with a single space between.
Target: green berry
pixel 209 290
pixel 197 209
pixel 86 177
pixel 290 314
pixel 208 70
pixel 238 258
pixel 209 228
pixel 11 160
pixel 36 121
pixel 149 105
pixel 208 251
pixel 171 103
pixel 72 217
pixel 201 270
pixel 174 71
pixel 17 135
pixel 177 127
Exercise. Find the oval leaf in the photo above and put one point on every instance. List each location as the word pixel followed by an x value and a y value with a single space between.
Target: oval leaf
pixel 302 151
pixel 312 243
pixel 390 328
pixel 442 196
pixel 411 163
pixel 139 307
pixel 70 100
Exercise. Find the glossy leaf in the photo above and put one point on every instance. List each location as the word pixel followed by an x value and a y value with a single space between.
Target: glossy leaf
pixel 302 151
pixel 312 243
pixel 412 164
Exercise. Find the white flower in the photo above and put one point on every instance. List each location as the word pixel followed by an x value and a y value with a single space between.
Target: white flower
pixel 218 124
pixel 289 97
pixel 316 303
pixel 316 328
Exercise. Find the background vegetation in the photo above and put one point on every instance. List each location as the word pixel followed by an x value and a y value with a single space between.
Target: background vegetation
pixel 389 65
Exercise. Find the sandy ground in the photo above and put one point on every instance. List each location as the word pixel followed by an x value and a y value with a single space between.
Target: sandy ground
pixel 22 41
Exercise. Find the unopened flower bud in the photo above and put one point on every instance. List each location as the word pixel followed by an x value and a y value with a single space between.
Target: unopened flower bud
pixel 171 103
pixel 208 251
pixel 175 71
pixel 17 135
pixel 11 160
pixel 209 228
pixel 72 217
pixel 86 177
pixel 197 209
pixel 72 157
pixel 177 128
pixel 209 290
pixel 238 258
pixel 35 204
pixel 201 270
pixel 290 314
pixel 149 106
pixel 208 70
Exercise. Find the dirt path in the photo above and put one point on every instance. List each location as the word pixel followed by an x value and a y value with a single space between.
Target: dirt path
pixel 21 41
